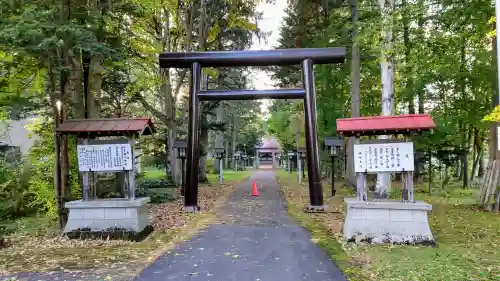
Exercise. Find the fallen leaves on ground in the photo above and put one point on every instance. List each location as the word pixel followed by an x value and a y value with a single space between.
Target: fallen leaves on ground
pixel 171 215
pixel 55 252
pixel 299 196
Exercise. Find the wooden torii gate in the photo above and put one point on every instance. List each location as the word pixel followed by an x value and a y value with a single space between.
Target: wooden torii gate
pixel 280 57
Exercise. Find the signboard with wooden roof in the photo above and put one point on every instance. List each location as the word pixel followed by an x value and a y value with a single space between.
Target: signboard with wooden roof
pixel 98 155
pixel 384 125
pixel 384 155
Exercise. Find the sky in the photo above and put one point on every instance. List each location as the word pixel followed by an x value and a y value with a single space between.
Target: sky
pixel 271 21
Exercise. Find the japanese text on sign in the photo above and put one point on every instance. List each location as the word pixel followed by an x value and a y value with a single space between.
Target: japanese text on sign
pixel 384 157
pixel 104 157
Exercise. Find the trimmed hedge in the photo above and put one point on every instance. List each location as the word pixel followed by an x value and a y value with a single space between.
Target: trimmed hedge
pixel 157 190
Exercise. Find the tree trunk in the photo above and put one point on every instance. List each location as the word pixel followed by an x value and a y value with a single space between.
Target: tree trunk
pixel 466 132
pixel 233 140
pixel 465 172
pixel 219 138
pixel 409 78
pixel 175 167
pixel 493 149
pixel 355 93
pixel 74 86
pixel 420 90
pixel 475 155
pixel 382 187
pixel 226 156
pixel 95 84
pixel 202 174
pixel 480 169
pixel 446 177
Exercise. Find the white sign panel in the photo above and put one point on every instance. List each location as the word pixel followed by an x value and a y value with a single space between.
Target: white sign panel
pixel 498 138
pixel 104 157
pixel 384 157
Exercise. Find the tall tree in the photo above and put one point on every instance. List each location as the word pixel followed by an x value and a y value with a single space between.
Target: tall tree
pixel 387 73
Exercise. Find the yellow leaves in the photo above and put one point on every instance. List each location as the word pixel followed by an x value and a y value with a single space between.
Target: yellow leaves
pixel 211 72
pixel 297 126
pixel 494 116
pixel 491 34
pixel 242 23
pixel 234 21
pixel 213 32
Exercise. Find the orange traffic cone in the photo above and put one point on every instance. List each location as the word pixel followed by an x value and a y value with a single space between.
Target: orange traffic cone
pixel 255 192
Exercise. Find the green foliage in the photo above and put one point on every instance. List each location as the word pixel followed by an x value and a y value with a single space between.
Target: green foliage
pixel 444 67
pixel 153 159
pixel 15 196
pixel 159 190
pixel 160 196
pixel 210 166
pixel 494 116
pixel 43 45
pixel 41 159
pixel 154 183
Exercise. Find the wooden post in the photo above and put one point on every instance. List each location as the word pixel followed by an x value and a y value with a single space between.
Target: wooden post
pixel 58 187
pixel 430 171
pixel 131 174
pixel 125 185
pixel 409 186
pixel 93 186
pixel 361 193
pixel 299 170
pixel 405 195
pixel 86 179
pixel 86 185
pixel 493 183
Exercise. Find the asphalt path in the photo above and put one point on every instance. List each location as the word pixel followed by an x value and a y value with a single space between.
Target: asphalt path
pixel 255 240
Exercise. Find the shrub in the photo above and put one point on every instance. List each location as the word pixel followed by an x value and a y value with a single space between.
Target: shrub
pixel 148 184
pixel 211 169
pixel 157 190
pixel 3 233
pixel 159 196
pixel 15 197
pixel 157 161
pixel 41 159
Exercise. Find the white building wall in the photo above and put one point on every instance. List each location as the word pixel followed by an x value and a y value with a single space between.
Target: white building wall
pixel 15 133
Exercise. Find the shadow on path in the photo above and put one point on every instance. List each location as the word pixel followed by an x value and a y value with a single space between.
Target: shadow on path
pixel 255 240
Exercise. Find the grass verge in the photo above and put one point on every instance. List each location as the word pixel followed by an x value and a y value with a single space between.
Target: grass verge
pixel 229 176
pixel 36 246
pixel 468 239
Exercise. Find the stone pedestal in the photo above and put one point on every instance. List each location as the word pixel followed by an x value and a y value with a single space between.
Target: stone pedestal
pixel 103 215
pixel 387 222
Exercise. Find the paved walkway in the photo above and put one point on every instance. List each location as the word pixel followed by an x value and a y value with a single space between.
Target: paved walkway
pixel 256 241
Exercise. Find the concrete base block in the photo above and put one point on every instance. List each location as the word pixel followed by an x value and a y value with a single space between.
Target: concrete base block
pixel 387 222
pixel 107 214
pixel 191 209
pixel 316 209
